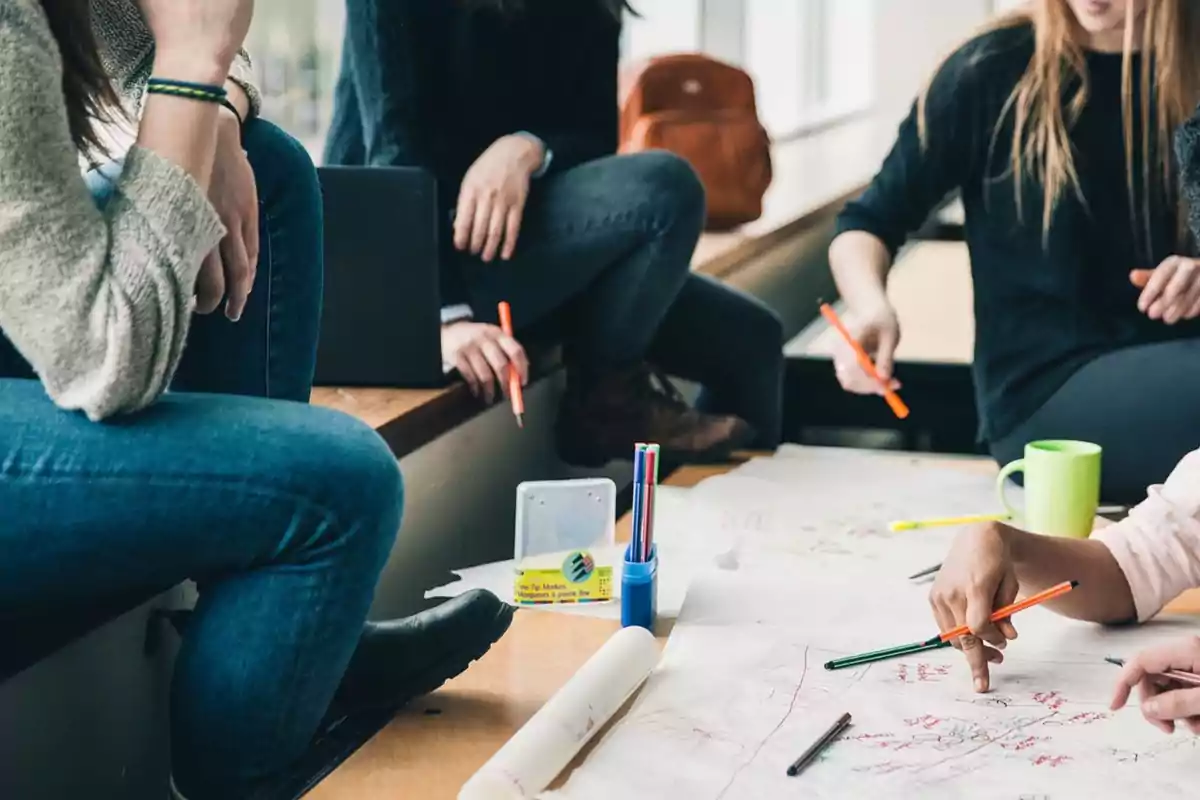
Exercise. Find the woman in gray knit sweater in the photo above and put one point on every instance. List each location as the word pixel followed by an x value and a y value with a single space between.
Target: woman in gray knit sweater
pixel 284 513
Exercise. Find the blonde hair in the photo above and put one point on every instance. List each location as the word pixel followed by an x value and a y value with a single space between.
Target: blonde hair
pixel 1052 93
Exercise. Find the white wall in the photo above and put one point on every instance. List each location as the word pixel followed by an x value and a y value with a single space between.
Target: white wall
pixel 911 38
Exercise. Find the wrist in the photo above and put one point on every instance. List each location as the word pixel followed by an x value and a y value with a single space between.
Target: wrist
pixel 193 67
pixel 229 128
pixel 533 153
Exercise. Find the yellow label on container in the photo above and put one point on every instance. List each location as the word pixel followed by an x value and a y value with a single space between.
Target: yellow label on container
pixel 578 580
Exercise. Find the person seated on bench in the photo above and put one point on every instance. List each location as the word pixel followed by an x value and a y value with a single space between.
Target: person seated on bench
pixel 1068 189
pixel 1127 571
pixel 512 106
pixel 111 487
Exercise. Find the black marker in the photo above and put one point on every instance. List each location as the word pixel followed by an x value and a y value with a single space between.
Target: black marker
pixel 814 750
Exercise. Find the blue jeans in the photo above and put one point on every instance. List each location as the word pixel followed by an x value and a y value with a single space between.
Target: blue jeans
pixel 283 513
pixel 604 257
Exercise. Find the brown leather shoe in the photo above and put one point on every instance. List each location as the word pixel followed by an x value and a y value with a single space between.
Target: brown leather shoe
pixel 603 415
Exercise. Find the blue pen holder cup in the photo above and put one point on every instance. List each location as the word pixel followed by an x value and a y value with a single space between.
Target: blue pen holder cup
pixel 639 591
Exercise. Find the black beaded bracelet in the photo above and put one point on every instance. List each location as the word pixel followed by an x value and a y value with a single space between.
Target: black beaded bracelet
pixel 202 92
pixel 233 109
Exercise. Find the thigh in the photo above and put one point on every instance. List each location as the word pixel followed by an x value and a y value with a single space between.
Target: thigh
pixel 1139 403
pixel 271 350
pixel 576 225
pixel 194 487
pixel 714 333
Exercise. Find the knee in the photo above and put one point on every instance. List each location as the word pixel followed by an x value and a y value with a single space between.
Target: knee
pixel 767 327
pixel 283 170
pixel 667 183
pixel 353 474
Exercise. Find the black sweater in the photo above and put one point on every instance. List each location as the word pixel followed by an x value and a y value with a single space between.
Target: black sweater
pixel 1041 311
pixel 427 83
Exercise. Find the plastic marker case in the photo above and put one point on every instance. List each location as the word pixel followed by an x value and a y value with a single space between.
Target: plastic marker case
pixel 563 550
pixel 639 591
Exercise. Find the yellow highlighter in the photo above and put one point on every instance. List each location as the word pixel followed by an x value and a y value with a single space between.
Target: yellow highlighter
pixel 943 522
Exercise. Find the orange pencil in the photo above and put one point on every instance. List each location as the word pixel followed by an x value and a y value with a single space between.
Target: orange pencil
pixel 514 380
pixel 893 400
pixel 942 640
pixel 1008 611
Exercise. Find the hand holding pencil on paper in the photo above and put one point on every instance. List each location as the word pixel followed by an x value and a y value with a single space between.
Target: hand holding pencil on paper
pixel 1168 689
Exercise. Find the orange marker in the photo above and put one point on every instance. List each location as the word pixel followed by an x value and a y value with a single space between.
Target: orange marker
pixel 893 400
pixel 1008 611
pixel 514 380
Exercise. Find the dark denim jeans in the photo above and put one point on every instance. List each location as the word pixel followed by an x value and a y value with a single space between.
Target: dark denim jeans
pixel 283 513
pixel 605 248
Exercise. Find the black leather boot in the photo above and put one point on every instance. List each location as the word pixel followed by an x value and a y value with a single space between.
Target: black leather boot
pixel 397 661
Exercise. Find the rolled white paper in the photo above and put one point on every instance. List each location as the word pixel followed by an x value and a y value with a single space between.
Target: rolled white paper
pixel 534 756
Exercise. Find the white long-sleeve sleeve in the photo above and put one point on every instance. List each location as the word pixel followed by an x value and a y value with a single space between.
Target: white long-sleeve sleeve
pixel 1158 545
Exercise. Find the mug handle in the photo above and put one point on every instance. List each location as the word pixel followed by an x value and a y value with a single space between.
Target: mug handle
pixel 1002 478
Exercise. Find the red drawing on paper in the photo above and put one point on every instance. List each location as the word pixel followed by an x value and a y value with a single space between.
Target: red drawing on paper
pixel 1051 700
pixel 907 673
pixel 1024 743
pixel 1085 718
pixel 1050 761
pixel 926 721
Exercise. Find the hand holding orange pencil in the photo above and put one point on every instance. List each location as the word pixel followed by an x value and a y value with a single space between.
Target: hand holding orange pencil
pixel 865 363
pixel 515 395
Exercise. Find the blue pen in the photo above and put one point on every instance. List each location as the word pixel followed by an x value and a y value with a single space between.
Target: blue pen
pixel 639 497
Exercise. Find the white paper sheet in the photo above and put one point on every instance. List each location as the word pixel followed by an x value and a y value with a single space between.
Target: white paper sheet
pixel 530 760
pixel 741 692
pixel 825 507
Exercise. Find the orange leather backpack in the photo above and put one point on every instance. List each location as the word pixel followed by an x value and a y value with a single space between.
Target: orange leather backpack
pixel 703 110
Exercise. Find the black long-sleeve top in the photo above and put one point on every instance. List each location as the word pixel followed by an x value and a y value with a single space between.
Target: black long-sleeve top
pixel 429 83
pixel 1042 309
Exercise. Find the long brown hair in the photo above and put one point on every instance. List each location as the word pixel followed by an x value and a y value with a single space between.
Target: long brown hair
pixel 1054 90
pixel 87 90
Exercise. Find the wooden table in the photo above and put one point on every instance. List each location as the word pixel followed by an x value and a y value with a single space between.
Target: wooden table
pixel 436 744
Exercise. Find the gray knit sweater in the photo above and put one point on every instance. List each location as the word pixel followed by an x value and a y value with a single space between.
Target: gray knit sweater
pixel 98 302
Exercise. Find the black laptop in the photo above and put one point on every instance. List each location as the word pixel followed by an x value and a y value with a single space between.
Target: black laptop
pixel 381 321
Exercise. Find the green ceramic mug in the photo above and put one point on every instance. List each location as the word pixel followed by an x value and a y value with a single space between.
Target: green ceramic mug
pixel 1062 487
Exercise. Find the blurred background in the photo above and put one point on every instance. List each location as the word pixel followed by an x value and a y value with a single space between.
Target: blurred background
pixel 815 62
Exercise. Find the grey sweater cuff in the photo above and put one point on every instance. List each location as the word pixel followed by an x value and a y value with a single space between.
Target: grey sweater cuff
pixel 174 209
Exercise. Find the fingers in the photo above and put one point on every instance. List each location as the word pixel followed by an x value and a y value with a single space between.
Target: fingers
pixel 1177 295
pixel 210 283
pixel 239 274
pixel 467 370
pixel 511 230
pixel 516 356
pixel 1140 277
pixel 885 352
pixel 498 362
pixel 852 377
pixel 484 204
pixel 1142 670
pixel 978 616
pixel 485 385
pixel 978 656
pixel 464 218
pixel 1155 284
pixel 1147 689
pixel 1007 595
pixel 1164 709
pixel 495 232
